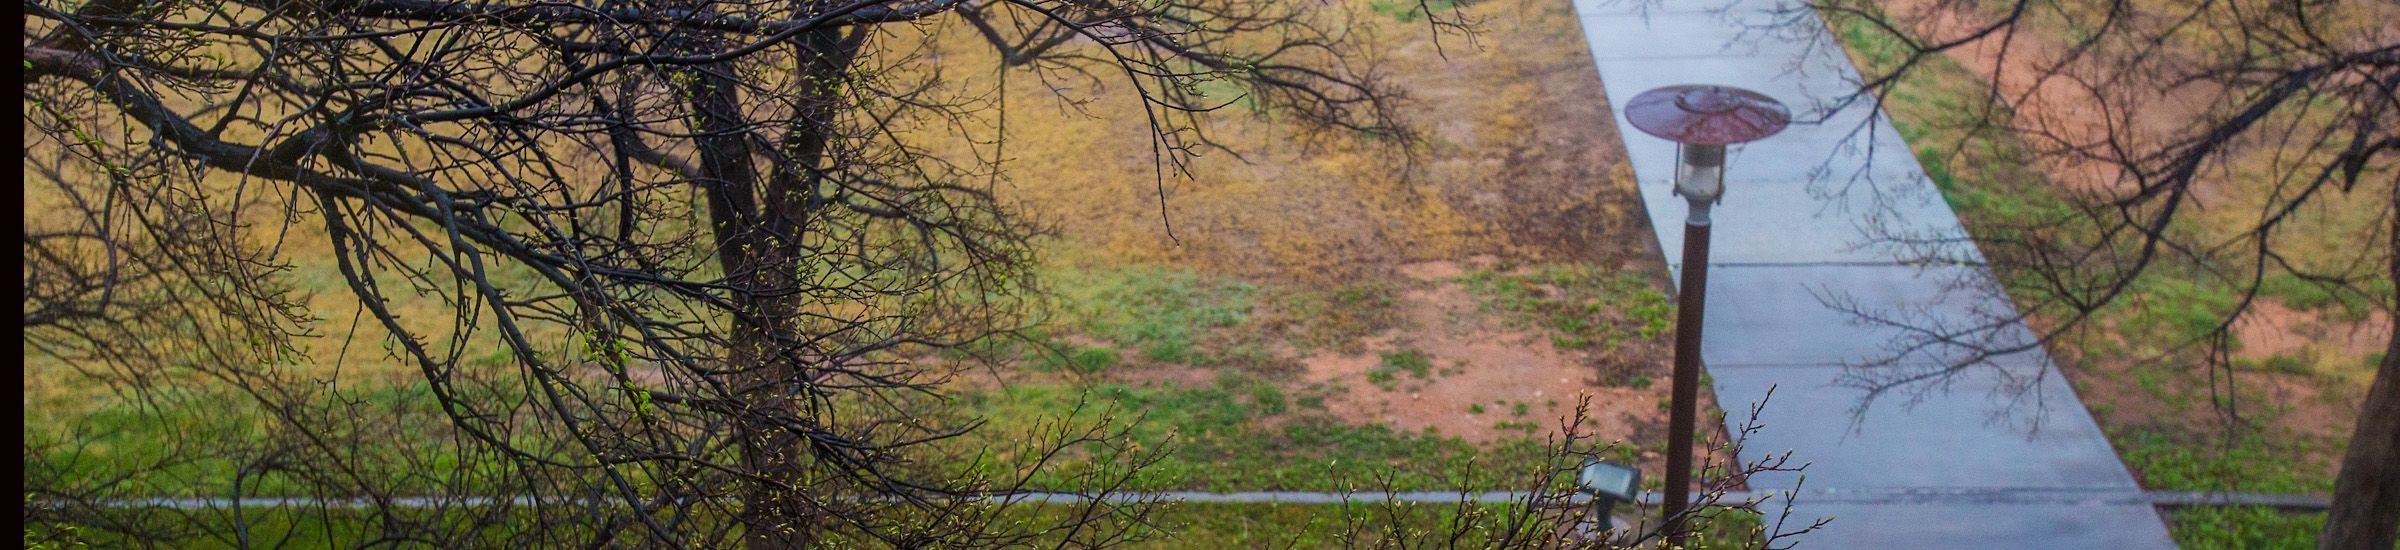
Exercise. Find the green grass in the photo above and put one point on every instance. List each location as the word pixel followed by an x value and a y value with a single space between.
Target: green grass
pixel 2244 528
pixel 2185 461
pixel 1410 11
pixel 1249 430
pixel 291 527
pixel 1240 435
pixel 1583 307
pixel 1170 525
pixel 1173 315
pixel 1407 361
pixel 2299 293
pixel 2257 460
pixel 1164 314
pixel 2281 363
pixel 1586 306
pixel 1379 525
pixel 1080 359
pixel 1411 362
pixel 181 442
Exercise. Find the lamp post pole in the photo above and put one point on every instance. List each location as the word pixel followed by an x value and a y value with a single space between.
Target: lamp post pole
pixel 1701 120
pixel 1691 300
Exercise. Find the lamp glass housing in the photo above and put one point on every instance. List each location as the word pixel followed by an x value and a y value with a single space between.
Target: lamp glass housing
pixel 1701 174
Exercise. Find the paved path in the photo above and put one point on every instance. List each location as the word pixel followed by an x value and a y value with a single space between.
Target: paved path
pixel 1795 232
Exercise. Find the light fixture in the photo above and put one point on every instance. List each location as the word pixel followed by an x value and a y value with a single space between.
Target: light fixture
pixel 1701 120
pixel 1608 483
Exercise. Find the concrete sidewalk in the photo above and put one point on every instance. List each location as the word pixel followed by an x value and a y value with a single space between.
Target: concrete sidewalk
pixel 1801 227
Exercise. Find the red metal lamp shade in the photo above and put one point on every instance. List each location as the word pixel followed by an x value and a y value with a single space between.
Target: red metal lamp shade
pixel 1701 114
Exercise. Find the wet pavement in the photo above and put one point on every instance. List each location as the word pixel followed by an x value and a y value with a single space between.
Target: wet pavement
pixel 1832 252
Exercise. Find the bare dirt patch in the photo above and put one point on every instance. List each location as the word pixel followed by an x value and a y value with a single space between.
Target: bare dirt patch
pixel 1485 379
pixel 2310 366
pixel 2053 109
pixel 1447 366
pixel 2272 329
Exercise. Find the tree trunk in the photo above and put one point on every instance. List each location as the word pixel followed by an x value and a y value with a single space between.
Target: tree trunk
pixel 2366 496
pixel 758 217
pixel 776 513
pixel 772 516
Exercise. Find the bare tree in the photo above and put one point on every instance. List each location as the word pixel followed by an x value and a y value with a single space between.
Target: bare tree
pixel 2152 109
pixel 708 235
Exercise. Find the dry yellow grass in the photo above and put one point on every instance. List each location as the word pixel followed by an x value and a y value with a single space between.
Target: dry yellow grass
pixel 1518 159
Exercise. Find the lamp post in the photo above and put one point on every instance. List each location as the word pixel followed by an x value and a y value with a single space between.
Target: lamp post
pixel 1701 120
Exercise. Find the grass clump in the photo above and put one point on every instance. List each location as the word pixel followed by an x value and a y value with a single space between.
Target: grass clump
pixel 1165 314
pixel 1413 362
pixel 1585 307
pixel 1386 375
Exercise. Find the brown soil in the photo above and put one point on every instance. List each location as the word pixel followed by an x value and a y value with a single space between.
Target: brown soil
pixel 2271 328
pixel 2053 109
pixel 2321 402
pixel 1476 362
